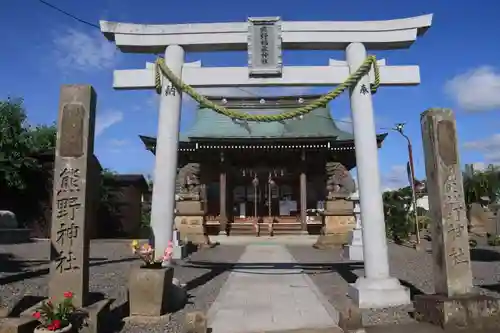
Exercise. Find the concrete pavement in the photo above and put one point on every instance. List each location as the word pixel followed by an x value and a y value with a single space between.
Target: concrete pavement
pixel 266 293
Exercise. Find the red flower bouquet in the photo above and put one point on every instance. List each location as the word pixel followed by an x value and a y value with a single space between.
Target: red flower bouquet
pixel 55 317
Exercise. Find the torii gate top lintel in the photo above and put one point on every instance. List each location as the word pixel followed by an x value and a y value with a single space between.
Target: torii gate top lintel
pixel 313 35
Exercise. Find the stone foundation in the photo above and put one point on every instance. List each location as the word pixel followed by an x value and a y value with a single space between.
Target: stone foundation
pixel 470 311
pixel 339 224
pixel 339 220
pixel 190 228
pixel 190 222
pixel 331 241
pixel 190 207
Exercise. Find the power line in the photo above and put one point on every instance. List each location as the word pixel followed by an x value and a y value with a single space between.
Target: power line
pixel 69 14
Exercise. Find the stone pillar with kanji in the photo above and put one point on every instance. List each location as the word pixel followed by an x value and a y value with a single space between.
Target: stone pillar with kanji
pixel 455 303
pixel 74 192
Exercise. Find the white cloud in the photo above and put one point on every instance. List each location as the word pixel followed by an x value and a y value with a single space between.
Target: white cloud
pixel 78 50
pixel 489 147
pixel 106 120
pixel 476 90
pixel 396 178
pixel 117 142
pixel 117 145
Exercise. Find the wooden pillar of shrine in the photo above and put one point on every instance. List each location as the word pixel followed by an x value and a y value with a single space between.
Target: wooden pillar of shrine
pixel 303 191
pixel 223 195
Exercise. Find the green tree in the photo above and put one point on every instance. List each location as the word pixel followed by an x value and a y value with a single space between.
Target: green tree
pixel 480 185
pixel 22 178
pixel 16 146
pixel 108 196
pixel 397 206
pixel 43 137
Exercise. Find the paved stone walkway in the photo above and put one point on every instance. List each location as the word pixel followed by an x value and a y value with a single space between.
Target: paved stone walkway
pixel 272 296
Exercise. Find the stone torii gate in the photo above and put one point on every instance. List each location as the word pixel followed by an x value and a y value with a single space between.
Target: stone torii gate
pixel 377 289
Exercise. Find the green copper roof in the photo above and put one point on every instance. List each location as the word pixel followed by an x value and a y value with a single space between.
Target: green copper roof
pixel 317 124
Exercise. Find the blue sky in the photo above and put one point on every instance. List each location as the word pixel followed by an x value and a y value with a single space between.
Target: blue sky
pixel 459 59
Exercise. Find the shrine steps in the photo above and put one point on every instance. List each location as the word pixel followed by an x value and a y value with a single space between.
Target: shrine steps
pixel 279 228
pixel 242 229
pixel 287 228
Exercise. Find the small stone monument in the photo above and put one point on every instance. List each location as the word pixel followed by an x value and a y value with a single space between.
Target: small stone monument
pixel 354 250
pixel 190 206
pixel 338 218
pixel 72 204
pixel 10 232
pixel 8 220
pixel 454 305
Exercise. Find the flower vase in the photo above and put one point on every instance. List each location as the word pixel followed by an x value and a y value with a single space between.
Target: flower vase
pixel 65 329
pixel 149 288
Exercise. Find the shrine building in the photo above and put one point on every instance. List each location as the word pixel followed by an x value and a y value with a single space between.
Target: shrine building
pixel 271 172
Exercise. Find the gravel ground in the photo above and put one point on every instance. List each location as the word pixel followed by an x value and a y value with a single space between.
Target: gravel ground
pixel 413 268
pixel 27 274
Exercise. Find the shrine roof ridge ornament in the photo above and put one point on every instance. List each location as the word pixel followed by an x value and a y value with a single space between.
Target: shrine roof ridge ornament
pixel 319 35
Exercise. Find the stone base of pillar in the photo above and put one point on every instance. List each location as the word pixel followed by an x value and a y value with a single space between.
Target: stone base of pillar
pixel 331 241
pixel 477 312
pixel 378 293
pixel 354 250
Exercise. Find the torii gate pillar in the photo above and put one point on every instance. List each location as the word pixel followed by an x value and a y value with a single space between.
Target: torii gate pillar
pixel 377 289
pixel 165 172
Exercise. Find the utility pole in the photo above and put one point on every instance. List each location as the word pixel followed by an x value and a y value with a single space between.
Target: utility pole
pixel 399 128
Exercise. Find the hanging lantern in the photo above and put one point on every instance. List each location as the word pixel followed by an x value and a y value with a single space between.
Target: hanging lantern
pixel 255 181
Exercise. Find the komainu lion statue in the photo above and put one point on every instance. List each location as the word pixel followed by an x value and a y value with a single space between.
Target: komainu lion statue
pixel 339 181
pixel 188 183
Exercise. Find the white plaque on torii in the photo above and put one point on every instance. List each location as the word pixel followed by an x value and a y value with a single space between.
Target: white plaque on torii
pixel 264 47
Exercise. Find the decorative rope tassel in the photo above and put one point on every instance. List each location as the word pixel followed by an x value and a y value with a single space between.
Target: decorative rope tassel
pixel 157 79
pixel 350 82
